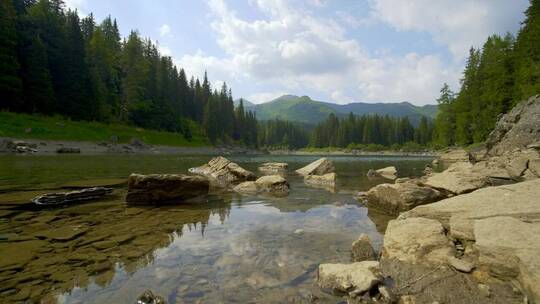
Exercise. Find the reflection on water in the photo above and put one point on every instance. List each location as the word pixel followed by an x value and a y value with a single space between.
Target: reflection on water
pixel 231 249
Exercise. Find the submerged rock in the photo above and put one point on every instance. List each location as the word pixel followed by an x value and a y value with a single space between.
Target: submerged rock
pixel 388 173
pixel 362 249
pixel 353 279
pixel 271 184
pixel 395 198
pixel 148 297
pixel 61 198
pixel 516 129
pixel 321 166
pixel 165 188
pixel 328 179
pixel 224 171
pixel 273 168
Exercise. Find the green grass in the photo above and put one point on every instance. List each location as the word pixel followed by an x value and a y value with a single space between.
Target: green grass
pixel 15 125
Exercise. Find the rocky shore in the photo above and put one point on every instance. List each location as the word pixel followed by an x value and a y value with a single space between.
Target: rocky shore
pixel 469 233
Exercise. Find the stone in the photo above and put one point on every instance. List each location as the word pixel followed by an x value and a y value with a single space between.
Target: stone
pixel 137 143
pixel 7 145
pixel 148 297
pixel 270 184
pixel 328 179
pixel 224 171
pixel 68 150
pixel 457 179
pixel 388 173
pixel 17 255
pixel 458 214
pixel 62 234
pixel 71 197
pixel 534 166
pixel 362 249
pixel 461 264
pixel 509 248
pixel 321 166
pixel 165 188
pixel 516 129
pixel 395 198
pixel 416 240
pixel 353 279
pixel 273 168
pixel 454 156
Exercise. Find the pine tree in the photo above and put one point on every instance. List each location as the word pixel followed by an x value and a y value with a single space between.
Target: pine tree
pixel 10 81
pixel 445 123
pixel 527 54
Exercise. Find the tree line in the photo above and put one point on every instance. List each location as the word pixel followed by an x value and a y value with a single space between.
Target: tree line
pixel 53 62
pixel 282 134
pixel 378 130
pixel 505 71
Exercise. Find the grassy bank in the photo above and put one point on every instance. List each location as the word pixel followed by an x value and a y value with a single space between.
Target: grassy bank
pixel 27 126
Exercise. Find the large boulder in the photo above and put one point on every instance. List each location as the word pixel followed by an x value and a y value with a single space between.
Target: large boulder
pixel 273 168
pixel 362 249
pixel 328 179
pixel 457 179
pixel 224 171
pixel 353 279
pixel 319 167
pixel 388 173
pixel 165 188
pixel 458 214
pixel 516 129
pixel 271 184
pixel 455 156
pixel 395 198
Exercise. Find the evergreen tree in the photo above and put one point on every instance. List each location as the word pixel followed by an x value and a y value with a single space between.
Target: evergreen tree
pixel 527 54
pixel 10 81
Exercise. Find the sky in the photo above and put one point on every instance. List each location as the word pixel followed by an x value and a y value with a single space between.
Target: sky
pixel 337 51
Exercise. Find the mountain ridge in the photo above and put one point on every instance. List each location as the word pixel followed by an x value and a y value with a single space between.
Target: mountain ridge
pixel 306 110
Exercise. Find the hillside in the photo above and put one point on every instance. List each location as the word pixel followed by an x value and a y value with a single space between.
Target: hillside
pixel 304 109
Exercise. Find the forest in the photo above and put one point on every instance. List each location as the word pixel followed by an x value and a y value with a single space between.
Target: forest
pixel 505 71
pixel 55 63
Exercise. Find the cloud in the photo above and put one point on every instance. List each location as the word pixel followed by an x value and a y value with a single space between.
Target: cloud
pixel 79 5
pixel 458 24
pixel 265 96
pixel 164 30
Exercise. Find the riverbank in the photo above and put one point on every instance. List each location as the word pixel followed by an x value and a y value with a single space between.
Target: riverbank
pixel 347 152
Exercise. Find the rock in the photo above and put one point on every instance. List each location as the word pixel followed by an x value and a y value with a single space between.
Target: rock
pixel 395 198
pixel 165 188
pixel 354 279
pixel 461 264
pixel 72 196
pixel 458 214
pixel 224 171
pixel 62 234
pixel 516 129
pixel 67 150
pixel 319 167
pixel 17 255
pixel 272 184
pixel 428 170
pixel 7 145
pixel 388 173
pixel 137 143
pixel 148 297
pixel 535 145
pixel 361 196
pixel 454 156
pixel 362 249
pixel 416 240
pixel 273 168
pixel 509 247
pixel 328 179
pixel 457 179
pixel 534 166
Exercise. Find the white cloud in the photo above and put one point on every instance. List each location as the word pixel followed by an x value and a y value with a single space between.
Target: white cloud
pixel 164 30
pixel 265 96
pixel 458 24
pixel 79 5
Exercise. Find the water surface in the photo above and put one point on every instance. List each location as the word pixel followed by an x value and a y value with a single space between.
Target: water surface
pixel 232 249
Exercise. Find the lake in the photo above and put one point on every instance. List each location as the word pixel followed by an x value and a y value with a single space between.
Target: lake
pixel 231 249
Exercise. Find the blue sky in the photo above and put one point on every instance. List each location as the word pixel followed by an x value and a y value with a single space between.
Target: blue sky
pixel 332 50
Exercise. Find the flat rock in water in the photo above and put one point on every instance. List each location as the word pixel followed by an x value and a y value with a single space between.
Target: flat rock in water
pixel 61 198
pixel 328 179
pixel 165 188
pixel 271 184
pixel 273 168
pixel 395 198
pixel 353 279
pixel 321 166
pixel 224 171
pixel 388 172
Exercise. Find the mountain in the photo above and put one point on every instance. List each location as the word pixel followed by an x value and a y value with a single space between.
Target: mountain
pixel 304 109
pixel 247 103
